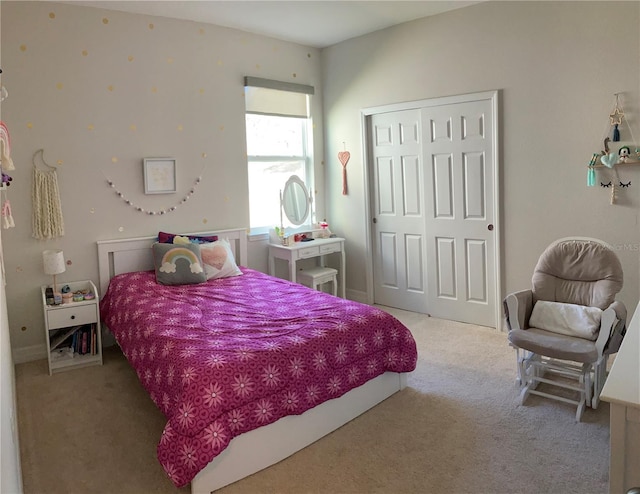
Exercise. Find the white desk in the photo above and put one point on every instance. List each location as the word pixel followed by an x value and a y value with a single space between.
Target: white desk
pixel 622 391
pixel 306 250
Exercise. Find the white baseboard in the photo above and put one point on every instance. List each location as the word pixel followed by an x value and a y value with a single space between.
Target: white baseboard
pixel 357 296
pixel 29 353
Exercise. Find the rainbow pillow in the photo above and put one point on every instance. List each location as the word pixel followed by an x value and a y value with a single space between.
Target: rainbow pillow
pixel 178 264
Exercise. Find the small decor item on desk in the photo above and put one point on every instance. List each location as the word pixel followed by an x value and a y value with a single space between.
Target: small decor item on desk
pixel 48 294
pixel 67 296
pixel 78 296
pixel 88 295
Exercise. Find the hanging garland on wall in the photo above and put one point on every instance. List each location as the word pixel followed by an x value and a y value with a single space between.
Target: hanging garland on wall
pixel 159 211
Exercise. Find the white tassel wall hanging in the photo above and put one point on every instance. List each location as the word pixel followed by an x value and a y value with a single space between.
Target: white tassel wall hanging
pixel 47 221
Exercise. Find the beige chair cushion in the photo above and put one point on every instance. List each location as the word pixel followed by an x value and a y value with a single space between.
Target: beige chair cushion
pixel 578 271
pixel 554 345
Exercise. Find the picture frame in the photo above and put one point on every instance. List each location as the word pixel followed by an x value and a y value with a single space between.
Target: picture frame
pixel 159 175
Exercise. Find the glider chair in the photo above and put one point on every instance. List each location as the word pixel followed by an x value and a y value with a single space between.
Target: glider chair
pixel 567 325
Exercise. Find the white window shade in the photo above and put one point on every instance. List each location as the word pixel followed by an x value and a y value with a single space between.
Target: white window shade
pixel 269 97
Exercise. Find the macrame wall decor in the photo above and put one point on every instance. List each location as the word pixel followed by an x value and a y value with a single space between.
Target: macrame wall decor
pixel 344 156
pixel 47 221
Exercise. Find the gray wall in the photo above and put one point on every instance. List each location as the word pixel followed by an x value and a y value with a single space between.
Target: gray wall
pixel 557 65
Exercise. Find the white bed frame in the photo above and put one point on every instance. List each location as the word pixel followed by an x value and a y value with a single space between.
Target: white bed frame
pixel 255 450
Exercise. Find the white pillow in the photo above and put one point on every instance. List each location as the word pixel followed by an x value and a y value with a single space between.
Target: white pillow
pixel 218 259
pixel 567 319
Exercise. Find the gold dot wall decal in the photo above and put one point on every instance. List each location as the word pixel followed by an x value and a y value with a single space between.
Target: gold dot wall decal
pixel 60 162
pixel 105 20
pixel 154 89
pixel 201 31
pixel 85 53
pixel 295 75
pixel 133 127
pixel 29 125
pixel 205 221
pixel 130 58
pixel 90 127
pixel 180 128
pixel 23 47
pixel 92 210
pixel 59 85
pixel 204 155
pixel 114 159
pixel 52 15
pixel 169 60
pixel 151 26
pixel 201 90
pixel 110 87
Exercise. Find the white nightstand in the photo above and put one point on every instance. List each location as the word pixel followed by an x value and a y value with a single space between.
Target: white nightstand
pixel 72 330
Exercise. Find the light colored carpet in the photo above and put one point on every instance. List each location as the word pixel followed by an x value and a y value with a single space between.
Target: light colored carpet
pixel 456 428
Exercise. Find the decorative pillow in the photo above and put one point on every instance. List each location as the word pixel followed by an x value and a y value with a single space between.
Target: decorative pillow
pixel 178 264
pixel 567 319
pixel 168 238
pixel 218 260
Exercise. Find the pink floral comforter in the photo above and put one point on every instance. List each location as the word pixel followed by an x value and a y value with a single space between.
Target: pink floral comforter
pixel 230 355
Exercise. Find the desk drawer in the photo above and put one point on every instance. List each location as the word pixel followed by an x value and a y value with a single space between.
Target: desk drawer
pixel 308 252
pixel 328 249
pixel 71 316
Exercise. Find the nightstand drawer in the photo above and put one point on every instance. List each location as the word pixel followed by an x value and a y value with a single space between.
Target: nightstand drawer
pixel 308 252
pixel 71 316
pixel 328 249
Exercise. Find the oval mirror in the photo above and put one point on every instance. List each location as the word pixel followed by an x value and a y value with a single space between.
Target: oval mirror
pixel 295 201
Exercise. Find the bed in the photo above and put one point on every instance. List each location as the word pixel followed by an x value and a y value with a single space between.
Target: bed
pixel 247 369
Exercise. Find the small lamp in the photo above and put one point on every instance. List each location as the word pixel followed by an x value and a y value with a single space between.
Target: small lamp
pixel 53 261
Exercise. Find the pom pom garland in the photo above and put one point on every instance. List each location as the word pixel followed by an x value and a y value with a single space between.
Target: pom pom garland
pixel 160 211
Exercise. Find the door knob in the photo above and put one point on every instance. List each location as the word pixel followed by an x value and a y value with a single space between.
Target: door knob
pixel 375 220
pixel 490 227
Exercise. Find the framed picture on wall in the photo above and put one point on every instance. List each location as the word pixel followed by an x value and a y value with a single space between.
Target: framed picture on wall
pixel 159 175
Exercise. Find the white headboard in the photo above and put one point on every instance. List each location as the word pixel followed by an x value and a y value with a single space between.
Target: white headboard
pixel 134 254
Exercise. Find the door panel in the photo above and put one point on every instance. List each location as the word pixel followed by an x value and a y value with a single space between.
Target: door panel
pixel 459 244
pixel 398 211
pixel 446 267
pixel 414 255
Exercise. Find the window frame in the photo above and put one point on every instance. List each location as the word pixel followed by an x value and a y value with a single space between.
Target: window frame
pixel 306 158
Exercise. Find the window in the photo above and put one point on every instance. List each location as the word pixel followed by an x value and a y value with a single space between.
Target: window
pixel 278 146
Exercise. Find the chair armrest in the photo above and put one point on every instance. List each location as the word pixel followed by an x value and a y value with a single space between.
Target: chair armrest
pixel 517 309
pixel 613 327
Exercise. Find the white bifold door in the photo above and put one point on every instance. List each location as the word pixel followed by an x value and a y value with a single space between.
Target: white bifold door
pixel 432 195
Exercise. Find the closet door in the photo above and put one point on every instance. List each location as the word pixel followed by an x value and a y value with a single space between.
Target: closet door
pixel 459 184
pixel 398 204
